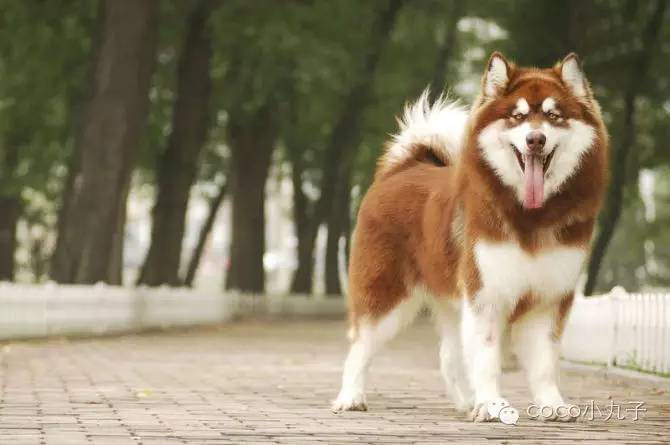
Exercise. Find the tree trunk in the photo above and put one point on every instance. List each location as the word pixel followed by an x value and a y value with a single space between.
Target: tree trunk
pixel 115 271
pixel 178 165
pixel 344 139
pixel 10 209
pixel 346 232
pixel 203 236
pixel 252 144
pixel 446 49
pixel 304 274
pixel 60 267
pixel 10 204
pixel 111 129
pixel 337 225
pixel 302 278
pixel 39 261
pixel 639 70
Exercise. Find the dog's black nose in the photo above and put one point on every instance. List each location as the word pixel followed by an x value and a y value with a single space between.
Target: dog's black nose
pixel 535 140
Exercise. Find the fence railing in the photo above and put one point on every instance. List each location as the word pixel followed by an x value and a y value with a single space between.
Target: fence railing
pixel 28 311
pixel 620 329
pixel 617 329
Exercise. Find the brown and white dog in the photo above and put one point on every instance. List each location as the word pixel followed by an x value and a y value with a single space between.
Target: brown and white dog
pixel 486 218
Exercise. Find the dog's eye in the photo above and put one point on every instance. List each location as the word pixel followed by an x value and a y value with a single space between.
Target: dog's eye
pixel 553 115
pixel 518 116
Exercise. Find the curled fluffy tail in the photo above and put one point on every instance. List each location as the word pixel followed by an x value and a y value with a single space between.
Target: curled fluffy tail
pixel 432 133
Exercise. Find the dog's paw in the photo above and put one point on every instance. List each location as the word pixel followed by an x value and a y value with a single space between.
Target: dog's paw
pixel 488 411
pixel 349 402
pixel 559 412
pixel 480 413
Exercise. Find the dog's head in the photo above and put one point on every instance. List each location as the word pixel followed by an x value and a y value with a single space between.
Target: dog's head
pixel 534 126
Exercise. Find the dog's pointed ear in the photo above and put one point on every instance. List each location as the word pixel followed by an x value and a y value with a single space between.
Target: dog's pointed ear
pixel 496 76
pixel 573 76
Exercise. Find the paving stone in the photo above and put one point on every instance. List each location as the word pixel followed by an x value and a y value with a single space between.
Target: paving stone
pixel 270 382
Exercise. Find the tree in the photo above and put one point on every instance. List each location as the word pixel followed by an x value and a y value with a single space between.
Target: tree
pixel 638 72
pixel 344 138
pixel 110 132
pixel 302 278
pixel 252 143
pixel 303 89
pixel 257 75
pixel 204 232
pixel 393 85
pixel 10 210
pixel 446 47
pixel 43 53
pixel 179 162
pixel 339 225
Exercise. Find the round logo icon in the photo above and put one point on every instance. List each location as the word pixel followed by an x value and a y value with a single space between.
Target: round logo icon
pixel 494 407
pixel 509 415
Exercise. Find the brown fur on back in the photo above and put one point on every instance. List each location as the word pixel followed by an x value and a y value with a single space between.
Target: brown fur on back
pixel 400 238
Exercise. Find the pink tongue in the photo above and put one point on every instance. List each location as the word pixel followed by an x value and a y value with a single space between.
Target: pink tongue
pixel 534 182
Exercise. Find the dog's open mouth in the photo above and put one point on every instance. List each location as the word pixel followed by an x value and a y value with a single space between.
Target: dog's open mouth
pixel 546 160
pixel 534 168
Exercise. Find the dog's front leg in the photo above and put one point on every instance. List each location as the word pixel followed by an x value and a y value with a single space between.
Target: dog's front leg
pixel 536 345
pixel 483 326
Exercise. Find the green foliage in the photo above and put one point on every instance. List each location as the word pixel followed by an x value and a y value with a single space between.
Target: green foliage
pixel 45 49
pixel 302 57
pixel 44 52
pixel 162 94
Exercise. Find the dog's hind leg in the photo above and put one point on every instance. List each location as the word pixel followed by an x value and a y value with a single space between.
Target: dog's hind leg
pixel 369 337
pixel 447 315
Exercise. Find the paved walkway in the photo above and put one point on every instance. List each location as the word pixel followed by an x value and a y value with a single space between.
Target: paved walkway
pixel 271 382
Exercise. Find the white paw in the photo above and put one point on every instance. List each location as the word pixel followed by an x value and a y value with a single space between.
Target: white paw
pixel 349 402
pixel 480 413
pixel 488 411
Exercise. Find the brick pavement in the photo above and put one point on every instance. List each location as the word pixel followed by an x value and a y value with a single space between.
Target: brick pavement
pixel 271 382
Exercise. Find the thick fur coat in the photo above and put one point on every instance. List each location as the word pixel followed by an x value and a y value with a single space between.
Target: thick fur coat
pixel 485 216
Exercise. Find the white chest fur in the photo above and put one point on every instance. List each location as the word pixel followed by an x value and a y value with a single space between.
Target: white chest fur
pixel 508 272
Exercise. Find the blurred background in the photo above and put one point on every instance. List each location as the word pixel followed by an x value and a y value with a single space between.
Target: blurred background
pixel 227 144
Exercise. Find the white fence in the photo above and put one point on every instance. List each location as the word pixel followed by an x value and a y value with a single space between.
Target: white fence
pixel 620 329
pixel 36 311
